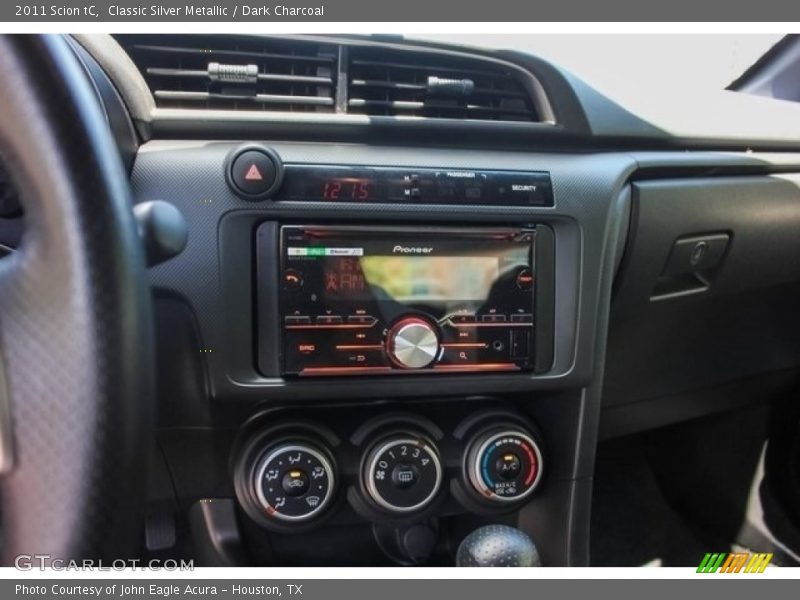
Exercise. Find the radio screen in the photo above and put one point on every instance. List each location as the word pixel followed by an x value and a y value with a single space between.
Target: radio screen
pixel 355 273
pixel 412 279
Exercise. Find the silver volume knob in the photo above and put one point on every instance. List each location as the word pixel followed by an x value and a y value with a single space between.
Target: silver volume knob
pixel 413 343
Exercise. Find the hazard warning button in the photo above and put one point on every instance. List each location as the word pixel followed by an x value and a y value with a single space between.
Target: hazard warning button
pixel 254 173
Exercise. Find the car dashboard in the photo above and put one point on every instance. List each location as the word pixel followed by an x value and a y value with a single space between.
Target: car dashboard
pixel 420 283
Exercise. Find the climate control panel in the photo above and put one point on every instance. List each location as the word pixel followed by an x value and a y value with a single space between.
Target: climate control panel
pixel 395 467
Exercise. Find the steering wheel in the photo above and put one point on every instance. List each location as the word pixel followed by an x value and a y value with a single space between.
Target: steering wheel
pixel 76 387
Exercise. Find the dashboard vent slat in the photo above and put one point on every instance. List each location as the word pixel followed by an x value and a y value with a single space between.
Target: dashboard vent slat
pixel 394 82
pixel 239 54
pixel 265 98
pixel 236 72
pixel 156 72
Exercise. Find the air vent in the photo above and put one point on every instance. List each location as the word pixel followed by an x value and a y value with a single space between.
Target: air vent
pixel 236 72
pixel 388 82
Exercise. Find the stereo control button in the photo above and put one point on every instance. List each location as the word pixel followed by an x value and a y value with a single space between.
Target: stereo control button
pixel 365 320
pixel 297 320
pixel 307 348
pixel 520 344
pixel 413 343
pixel 525 279
pixel 293 279
pixel 459 356
pixel 463 319
pixel 522 318
pixel 362 358
pixel 329 320
pixel 493 318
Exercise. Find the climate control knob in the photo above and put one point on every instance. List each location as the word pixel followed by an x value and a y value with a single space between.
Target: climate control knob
pixel 504 465
pixel 412 343
pixel 294 482
pixel 402 473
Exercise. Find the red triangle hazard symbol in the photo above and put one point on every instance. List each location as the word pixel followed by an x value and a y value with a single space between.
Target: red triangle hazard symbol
pixel 253 174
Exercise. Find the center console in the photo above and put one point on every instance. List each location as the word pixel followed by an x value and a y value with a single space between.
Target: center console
pixel 382 350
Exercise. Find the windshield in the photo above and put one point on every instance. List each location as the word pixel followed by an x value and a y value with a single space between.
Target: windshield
pixel 627 62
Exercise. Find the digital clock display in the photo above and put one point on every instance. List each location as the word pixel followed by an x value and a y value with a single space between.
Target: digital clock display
pixel 348 188
pixel 364 184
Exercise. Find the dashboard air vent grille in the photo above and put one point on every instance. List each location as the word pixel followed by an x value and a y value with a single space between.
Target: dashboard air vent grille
pixel 388 82
pixel 236 72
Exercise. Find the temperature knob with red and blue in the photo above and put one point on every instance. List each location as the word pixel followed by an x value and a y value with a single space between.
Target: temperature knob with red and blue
pixel 504 465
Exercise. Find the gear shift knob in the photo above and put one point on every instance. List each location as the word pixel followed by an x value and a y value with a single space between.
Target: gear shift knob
pixel 497 546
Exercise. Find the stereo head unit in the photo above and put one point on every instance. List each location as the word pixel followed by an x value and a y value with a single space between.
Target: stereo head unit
pixel 372 300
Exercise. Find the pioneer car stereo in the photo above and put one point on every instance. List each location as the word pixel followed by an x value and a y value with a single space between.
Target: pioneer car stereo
pixel 373 300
